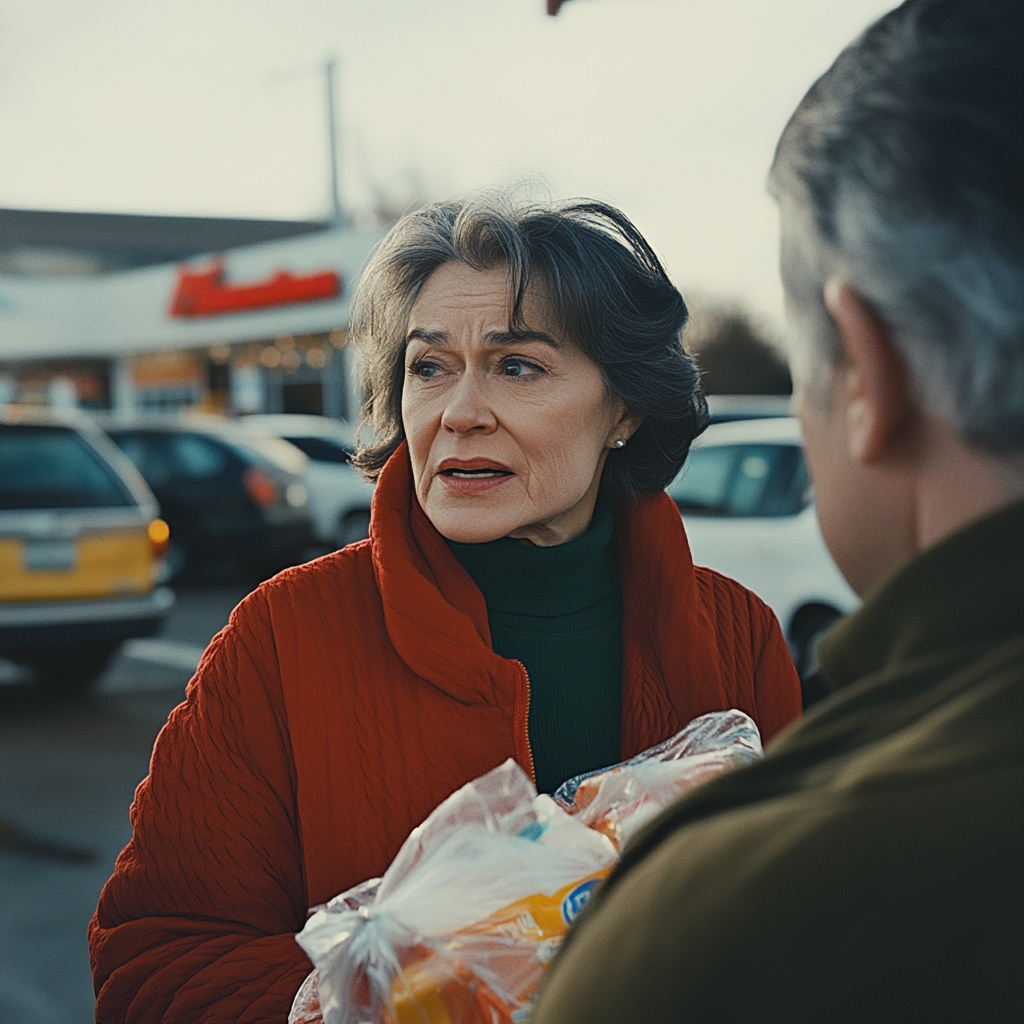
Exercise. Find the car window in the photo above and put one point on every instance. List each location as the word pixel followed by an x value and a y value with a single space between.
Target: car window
pixel 321 449
pixel 789 487
pixel 703 483
pixel 742 480
pixel 750 481
pixel 151 454
pixel 268 452
pixel 197 458
pixel 53 467
pixel 162 456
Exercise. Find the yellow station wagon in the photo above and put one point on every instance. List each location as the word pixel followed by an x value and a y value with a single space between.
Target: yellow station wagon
pixel 80 544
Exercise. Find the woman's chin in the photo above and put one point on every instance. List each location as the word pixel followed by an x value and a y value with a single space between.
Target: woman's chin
pixel 470 525
pixel 470 532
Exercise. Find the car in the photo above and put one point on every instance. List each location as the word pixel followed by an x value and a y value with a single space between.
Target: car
pixel 233 499
pixel 746 501
pixel 339 497
pixel 727 408
pixel 80 549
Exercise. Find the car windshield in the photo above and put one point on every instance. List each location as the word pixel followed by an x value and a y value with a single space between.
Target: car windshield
pixel 267 451
pixel 321 449
pixel 742 480
pixel 164 456
pixel 53 467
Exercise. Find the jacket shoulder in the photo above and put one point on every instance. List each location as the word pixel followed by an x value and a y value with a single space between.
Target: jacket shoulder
pixel 353 560
pixel 726 600
pixel 297 608
pixel 343 572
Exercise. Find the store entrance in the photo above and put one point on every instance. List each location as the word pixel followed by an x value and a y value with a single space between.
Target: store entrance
pixel 303 398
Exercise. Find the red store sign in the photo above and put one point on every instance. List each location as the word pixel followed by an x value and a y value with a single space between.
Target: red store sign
pixel 206 293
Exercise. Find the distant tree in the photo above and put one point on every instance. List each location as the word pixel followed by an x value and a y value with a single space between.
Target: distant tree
pixel 735 355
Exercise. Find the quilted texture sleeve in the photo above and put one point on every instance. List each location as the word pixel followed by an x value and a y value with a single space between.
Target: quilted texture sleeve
pixel 197 922
pixel 776 682
pixel 753 653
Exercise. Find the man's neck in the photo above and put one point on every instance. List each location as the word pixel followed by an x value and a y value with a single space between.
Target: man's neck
pixel 959 484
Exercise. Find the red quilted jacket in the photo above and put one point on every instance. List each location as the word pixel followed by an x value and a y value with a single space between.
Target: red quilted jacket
pixel 344 700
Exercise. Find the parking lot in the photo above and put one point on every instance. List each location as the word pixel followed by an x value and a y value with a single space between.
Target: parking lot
pixel 68 769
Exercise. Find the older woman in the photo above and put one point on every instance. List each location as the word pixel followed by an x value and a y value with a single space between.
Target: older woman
pixel 527 592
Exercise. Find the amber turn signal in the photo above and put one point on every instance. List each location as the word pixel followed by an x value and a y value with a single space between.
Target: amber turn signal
pixel 159 534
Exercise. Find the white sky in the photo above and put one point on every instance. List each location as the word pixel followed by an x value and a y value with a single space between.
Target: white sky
pixel 669 109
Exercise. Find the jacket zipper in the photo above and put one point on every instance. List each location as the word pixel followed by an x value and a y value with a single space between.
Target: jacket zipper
pixel 522 727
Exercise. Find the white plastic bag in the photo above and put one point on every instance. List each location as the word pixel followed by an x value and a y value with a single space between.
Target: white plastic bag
pixel 462 925
pixel 617 801
pixel 465 919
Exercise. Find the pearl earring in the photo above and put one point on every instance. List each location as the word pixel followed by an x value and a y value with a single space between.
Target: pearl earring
pixel 620 443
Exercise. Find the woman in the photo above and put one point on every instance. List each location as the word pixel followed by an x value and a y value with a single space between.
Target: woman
pixel 526 591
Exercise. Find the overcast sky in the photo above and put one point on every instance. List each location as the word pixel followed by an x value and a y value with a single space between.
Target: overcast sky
pixel 669 109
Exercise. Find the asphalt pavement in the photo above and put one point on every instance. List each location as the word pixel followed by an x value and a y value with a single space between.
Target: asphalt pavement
pixel 68 770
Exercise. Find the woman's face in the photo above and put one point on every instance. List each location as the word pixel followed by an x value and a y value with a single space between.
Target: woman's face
pixel 508 434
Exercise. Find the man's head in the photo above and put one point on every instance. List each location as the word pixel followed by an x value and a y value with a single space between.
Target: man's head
pixel 901 184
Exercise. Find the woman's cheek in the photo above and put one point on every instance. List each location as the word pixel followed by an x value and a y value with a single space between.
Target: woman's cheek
pixel 419 444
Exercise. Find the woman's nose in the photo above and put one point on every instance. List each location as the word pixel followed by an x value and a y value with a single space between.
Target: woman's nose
pixel 468 408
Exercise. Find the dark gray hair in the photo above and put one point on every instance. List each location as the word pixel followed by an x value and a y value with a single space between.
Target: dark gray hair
pixel 907 157
pixel 608 293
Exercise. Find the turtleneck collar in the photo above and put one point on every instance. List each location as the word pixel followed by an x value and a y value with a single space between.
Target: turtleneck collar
pixel 524 579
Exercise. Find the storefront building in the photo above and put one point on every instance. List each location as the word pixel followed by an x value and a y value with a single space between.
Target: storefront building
pixel 260 328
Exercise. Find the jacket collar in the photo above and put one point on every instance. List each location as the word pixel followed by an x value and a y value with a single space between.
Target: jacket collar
pixel 437 619
pixel 435 615
pixel 966 591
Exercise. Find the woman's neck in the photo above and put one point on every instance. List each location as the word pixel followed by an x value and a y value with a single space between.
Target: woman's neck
pixel 531 580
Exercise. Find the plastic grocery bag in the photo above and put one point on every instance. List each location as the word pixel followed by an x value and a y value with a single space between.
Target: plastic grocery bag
pixel 617 801
pixel 462 925
pixel 465 919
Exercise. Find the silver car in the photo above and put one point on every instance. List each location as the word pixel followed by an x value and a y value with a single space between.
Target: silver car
pixel 748 507
pixel 339 498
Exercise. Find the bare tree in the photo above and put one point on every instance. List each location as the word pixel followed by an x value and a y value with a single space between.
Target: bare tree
pixel 737 356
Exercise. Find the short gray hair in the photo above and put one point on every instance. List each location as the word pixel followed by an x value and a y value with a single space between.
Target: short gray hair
pixel 907 157
pixel 607 290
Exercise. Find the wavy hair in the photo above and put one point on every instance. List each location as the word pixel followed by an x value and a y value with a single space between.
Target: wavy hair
pixel 608 292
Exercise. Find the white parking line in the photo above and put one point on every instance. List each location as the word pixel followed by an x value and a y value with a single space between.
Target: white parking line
pixel 169 653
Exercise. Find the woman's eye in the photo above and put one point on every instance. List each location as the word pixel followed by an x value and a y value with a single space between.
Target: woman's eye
pixel 517 368
pixel 423 369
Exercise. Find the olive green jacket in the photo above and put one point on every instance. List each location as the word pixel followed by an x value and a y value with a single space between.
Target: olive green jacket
pixel 871 867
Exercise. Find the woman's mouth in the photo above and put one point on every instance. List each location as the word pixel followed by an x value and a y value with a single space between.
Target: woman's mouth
pixel 470 478
pixel 474 474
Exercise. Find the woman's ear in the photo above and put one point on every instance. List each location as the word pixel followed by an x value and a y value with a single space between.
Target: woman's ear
pixel 878 397
pixel 627 424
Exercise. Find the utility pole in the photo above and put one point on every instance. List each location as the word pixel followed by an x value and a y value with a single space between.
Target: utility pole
pixel 337 212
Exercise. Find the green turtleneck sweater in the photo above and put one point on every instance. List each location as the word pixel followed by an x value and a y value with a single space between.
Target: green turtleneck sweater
pixel 558 610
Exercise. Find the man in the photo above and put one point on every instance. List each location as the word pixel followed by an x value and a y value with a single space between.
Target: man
pixel 870 868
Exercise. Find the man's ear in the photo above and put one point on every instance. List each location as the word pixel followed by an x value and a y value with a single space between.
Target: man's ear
pixel 879 400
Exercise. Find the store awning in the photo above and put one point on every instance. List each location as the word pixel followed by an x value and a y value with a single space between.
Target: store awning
pixel 261 291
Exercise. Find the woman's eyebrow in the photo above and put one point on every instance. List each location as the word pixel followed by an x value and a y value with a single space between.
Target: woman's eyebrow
pixel 430 337
pixel 491 338
pixel 517 337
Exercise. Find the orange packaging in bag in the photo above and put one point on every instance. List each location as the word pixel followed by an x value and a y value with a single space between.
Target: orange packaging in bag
pixel 459 929
pixel 433 988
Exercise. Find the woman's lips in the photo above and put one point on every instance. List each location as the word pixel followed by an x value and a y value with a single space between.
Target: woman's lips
pixel 471 476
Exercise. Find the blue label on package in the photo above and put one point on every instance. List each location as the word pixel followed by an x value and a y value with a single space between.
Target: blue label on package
pixel 577 899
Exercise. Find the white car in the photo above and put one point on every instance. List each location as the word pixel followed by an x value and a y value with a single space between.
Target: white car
pixel 339 498
pixel 746 501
